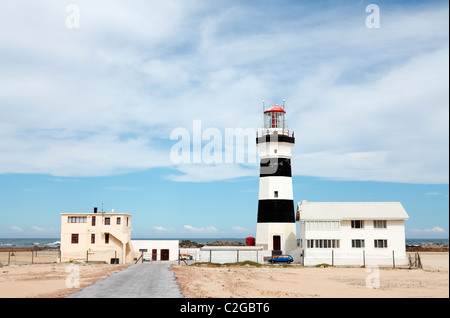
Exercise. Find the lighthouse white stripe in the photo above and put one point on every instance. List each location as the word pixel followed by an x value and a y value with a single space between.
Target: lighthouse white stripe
pixel 268 186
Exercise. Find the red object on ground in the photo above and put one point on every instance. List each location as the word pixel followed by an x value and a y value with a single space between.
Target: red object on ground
pixel 249 241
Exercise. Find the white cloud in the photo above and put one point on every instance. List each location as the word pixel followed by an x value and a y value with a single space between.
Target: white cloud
pixel 39 229
pixel 240 229
pixel 433 193
pixel 16 228
pixel 436 229
pixel 210 172
pixel 160 228
pixel 208 229
pixel 100 100
pixel 392 129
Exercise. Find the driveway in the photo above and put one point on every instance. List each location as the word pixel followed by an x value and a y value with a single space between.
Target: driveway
pixel 143 280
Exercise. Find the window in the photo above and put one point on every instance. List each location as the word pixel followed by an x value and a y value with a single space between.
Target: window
pixel 357 224
pixel 380 243
pixel 275 151
pixel 74 238
pixel 77 219
pixel 275 194
pixel 106 238
pixel 127 220
pixel 107 221
pixel 92 238
pixel 321 225
pixel 379 224
pixel 118 220
pixel 93 221
pixel 358 243
pixel 323 243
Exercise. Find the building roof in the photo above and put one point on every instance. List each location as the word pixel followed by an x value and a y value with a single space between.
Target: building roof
pixel 275 108
pixel 351 211
pixel 98 213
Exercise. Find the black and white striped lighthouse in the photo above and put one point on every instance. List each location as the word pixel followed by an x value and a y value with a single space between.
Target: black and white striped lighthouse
pixel 276 229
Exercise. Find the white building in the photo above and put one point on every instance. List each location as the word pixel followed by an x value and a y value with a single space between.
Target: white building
pixel 96 237
pixel 352 233
pixel 156 250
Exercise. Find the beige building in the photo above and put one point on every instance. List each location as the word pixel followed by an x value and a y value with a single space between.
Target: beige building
pixel 96 237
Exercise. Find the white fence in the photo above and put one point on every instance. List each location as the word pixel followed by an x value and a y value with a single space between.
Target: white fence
pixel 360 257
pixel 223 254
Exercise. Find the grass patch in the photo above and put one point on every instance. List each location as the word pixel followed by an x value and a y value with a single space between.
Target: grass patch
pixel 244 263
pixel 323 265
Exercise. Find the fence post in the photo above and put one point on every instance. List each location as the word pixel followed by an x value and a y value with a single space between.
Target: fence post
pixel 393 259
pixel 332 257
pixel 303 257
pixel 364 258
pixel 87 256
pixel 32 257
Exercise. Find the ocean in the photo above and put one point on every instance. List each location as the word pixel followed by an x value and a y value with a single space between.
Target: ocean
pixel 30 242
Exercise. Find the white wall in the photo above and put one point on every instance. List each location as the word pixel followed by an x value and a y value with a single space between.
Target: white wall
pixel 171 245
pixel 232 254
pixel 267 186
pixel 286 231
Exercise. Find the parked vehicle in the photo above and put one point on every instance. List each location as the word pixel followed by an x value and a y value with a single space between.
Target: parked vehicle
pixel 281 259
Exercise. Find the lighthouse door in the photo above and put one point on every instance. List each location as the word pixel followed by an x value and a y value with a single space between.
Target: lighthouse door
pixel 276 242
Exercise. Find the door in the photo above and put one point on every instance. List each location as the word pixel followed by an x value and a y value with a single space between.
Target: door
pixel 154 254
pixel 276 242
pixel 164 255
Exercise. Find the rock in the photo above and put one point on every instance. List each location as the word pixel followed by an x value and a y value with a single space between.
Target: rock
pixel 189 244
pixel 225 243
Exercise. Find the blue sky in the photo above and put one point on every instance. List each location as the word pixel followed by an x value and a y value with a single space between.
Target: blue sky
pixel 86 113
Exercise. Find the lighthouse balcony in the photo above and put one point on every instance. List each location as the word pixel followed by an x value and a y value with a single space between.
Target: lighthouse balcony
pixel 275 135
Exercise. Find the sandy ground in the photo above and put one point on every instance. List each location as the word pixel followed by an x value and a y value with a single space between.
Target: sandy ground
pixel 57 280
pixel 296 281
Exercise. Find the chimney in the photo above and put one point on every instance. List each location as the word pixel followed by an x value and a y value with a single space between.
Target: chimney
pixel 95 210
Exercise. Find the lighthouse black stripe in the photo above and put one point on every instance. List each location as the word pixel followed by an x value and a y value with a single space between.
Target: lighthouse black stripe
pixel 276 211
pixel 275 167
pixel 275 138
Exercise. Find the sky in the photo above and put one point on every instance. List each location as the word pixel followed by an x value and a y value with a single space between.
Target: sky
pixel 126 105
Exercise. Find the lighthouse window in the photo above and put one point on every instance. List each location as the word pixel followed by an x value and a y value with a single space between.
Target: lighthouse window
pixel 275 194
pixel 274 120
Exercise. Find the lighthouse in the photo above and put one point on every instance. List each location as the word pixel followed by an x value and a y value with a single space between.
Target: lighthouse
pixel 275 229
